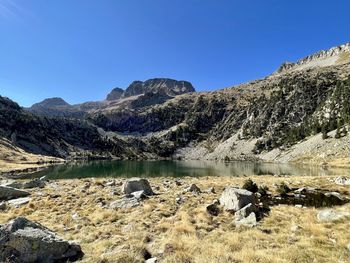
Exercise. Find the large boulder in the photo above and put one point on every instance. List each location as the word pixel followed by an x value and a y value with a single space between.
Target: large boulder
pixel 135 185
pixel 24 241
pixel 233 199
pixel 7 193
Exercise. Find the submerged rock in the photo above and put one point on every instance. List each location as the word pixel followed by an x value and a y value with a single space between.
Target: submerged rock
pixel 330 215
pixel 7 193
pixel 137 184
pixel 233 199
pixel 26 241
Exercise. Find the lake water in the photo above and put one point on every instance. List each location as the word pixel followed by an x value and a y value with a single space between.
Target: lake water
pixel 181 168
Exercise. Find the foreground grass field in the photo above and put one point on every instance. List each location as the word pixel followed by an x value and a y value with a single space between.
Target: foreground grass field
pixel 77 210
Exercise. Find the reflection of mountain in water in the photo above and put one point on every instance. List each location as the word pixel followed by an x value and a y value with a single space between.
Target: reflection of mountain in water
pixel 181 168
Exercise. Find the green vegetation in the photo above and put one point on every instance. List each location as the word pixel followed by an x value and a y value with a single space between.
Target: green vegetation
pixel 250 186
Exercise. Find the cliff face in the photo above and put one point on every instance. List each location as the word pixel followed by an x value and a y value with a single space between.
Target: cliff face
pixel 262 119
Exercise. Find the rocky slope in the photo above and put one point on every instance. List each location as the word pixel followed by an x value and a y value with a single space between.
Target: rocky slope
pixel 263 119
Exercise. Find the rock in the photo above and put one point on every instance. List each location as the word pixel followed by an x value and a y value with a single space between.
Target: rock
pixel 330 215
pixel 213 208
pixel 26 241
pixel 234 199
pixel 75 216
pixel 44 178
pixel 249 221
pixel 110 183
pixel 7 193
pixel 211 190
pixel 245 211
pixel 194 189
pixel 19 201
pixel 125 203
pixel 295 228
pixel 180 200
pixel 300 191
pixel 341 180
pixel 139 195
pixel 137 184
pixel 3 206
pixel 151 260
pixel 34 184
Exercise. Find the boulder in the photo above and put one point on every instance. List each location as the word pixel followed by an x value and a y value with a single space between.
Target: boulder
pixel 249 221
pixel 35 183
pixel 151 260
pixel 7 193
pixel 137 184
pixel 330 215
pixel 245 211
pixel 341 180
pixel 26 241
pixel 213 208
pixel 233 199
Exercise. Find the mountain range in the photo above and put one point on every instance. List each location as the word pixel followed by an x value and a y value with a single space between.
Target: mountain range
pixel 300 112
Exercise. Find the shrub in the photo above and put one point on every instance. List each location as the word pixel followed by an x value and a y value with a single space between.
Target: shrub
pixel 263 190
pixel 250 186
pixel 283 189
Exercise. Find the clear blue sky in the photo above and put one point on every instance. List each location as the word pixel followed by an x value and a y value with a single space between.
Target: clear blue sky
pixel 80 49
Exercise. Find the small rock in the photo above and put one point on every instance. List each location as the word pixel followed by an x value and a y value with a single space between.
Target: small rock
pixel 19 201
pixel 295 228
pixel 125 203
pixel 194 189
pixel 211 190
pixel 75 216
pixel 299 206
pixel 151 260
pixel 249 221
pixel 245 212
pixel 3 206
pixel 330 215
pixel 213 208
pixel 300 191
pixel 110 183
pixel 341 180
pixel 180 200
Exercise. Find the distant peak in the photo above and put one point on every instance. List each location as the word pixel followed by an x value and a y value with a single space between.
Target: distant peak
pixel 52 102
pixel 115 94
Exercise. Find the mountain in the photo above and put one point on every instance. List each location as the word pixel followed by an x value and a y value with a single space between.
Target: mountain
pixel 155 91
pixel 299 112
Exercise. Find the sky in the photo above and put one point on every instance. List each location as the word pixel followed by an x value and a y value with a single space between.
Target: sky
pixel 81 49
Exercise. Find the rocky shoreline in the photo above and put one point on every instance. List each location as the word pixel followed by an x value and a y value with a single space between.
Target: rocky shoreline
pixel 182 219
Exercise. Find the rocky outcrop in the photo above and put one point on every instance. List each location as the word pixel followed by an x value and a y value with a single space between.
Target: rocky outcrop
pixel 24 241
pixel 329 215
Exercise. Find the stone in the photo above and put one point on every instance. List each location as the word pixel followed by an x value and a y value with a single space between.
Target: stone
pixel 7 193
pixel 330 215
pixel 137 184
pixel 110 183
pixel 300 191
pixel 341 180
pixel 35 183
pixel 26 241
pixel 213 208
pixel 19 201
pixel 249 221
pixel 245 211
pixel 194 189
pixel 139 195
pixel 295 228
pixel 3 206
pixel 125 203
pixel 233 199
pixel 180 200
pixel 211 190
pixel 151 260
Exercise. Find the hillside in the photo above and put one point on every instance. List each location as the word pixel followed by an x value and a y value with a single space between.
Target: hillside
pixel 290 115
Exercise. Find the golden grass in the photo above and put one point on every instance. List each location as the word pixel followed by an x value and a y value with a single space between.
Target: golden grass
pixel 186 233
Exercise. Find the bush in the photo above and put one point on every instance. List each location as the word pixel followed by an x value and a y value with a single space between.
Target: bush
pixel 250 186
pixel 283 189
pixel 263 190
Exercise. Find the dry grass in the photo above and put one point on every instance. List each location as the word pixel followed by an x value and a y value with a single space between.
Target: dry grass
pixel 185 233
pixel 13 158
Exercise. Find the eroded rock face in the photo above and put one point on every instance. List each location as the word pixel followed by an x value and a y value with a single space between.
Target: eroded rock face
pixel 233 199
pixel 8 193
pixel 135 185
pixel 24 241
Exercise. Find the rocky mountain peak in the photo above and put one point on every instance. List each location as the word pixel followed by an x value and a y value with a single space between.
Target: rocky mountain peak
pixel 115 94
pixel 51 102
